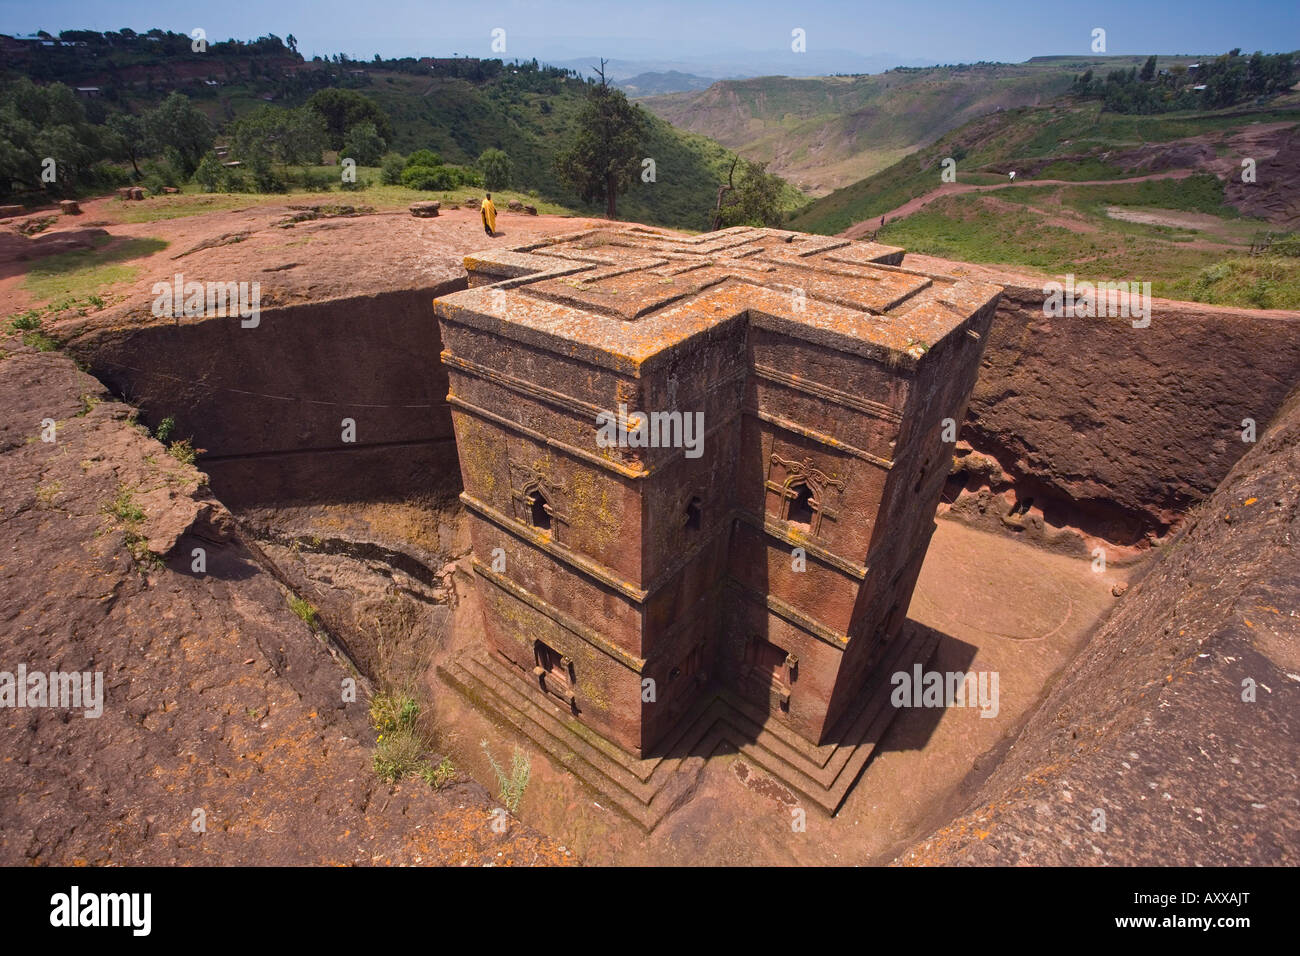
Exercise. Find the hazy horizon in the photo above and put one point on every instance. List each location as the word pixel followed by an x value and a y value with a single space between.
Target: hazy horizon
pixel 840 37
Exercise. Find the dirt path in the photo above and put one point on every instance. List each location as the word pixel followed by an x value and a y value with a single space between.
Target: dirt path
pixel 861 229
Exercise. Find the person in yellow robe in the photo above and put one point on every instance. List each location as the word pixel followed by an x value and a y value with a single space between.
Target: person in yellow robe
pixel 489 215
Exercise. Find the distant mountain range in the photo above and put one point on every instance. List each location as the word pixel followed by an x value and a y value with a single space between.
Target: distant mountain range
pixel 740 64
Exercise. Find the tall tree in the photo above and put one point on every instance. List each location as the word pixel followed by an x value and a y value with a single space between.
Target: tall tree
pixel 603 158
pixel 178 123
pixel 133 139
pixel 343 109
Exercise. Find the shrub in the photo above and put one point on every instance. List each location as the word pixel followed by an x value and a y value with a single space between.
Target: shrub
pixel 423 157
pixel 183 451
pixel 391 169
pixel 209 173
pixel 496 168
pixel 363 144
pixel 164 430
pixel 437 776
pixel 428 177
pixel 315 180
pixel 464 176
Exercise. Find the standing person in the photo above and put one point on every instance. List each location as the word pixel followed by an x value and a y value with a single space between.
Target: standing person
pixel 489 216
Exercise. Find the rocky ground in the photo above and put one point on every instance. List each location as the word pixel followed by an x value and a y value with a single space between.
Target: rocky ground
pixel 221 707
pixel 219 699
pixel 1174 739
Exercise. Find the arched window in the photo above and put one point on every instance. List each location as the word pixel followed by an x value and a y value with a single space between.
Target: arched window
pixel 539 510
pixel 801 506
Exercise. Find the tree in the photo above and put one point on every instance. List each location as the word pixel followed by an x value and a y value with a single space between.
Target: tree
pixel 363 144
pixel 754 201
pixel 133 139
pixel 603 158
pixel 343 109
pixel 270 133
pixel 496 168
pixel 1148 70
pixel 178 123
pixel 292 41
pixel 39 123
pixel 209 173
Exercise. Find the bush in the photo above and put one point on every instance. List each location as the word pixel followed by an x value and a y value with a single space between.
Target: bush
pixel 363 144
pixel 423 157
pixel 496 168
pixel 233 181
pixel 512 785
pixel 429 177
pixel 464 176
pixel 265 178
pixel 315 180
pixel 209 173
pixel 391 169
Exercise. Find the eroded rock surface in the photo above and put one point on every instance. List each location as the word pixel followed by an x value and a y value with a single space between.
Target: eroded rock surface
pixel 217 698
pixel 1174 738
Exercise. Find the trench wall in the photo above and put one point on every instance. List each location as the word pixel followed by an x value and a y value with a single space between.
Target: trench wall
pixel 268 404
pixel 1087 424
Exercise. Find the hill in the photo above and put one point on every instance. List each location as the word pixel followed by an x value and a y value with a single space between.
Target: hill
pixel 1153 198
pixel 823 133
pixel 457 108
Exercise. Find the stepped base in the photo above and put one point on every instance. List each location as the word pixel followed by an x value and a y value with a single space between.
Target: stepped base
pixel 648 789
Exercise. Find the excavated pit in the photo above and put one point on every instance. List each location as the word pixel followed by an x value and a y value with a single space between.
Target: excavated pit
pixel 1081 433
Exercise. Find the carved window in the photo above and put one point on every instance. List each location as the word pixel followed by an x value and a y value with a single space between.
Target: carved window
pixel 800 510
pixel 539 510
pixel 802 492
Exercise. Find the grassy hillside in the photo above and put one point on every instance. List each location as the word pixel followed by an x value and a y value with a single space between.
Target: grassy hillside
pixel 821 133
pixel 1181 234
pixel 457 111
pixel 1064 140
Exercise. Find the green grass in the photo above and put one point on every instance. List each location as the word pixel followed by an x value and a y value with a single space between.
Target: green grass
pixel 970 229
pixel 304 609
pixel 391 711
pixel 1260 282
pixel 398 754
pixel 85 272
pixel 1080 169
pixel 1201 192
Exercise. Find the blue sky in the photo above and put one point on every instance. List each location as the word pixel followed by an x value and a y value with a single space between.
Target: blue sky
pixel 938 31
